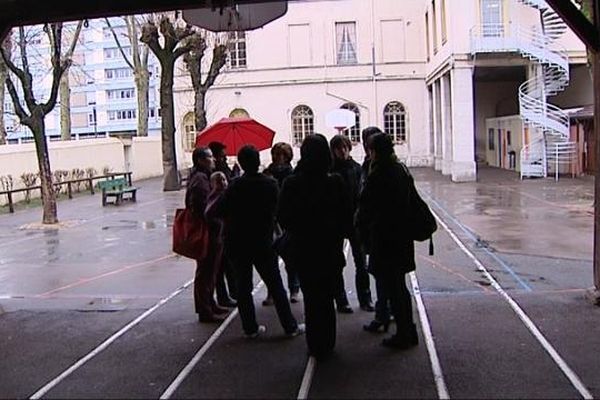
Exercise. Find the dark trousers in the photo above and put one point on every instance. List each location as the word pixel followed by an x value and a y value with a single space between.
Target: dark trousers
pixel 264 259
pixel 363 285
pixel 292 279
pixel 226 290
pixel 392 282
pixel 318 289
pixel 205 280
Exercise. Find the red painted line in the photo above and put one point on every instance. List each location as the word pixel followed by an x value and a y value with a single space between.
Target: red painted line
pixel 104 275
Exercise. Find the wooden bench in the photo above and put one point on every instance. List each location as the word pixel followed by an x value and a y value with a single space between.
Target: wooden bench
pixel 116 188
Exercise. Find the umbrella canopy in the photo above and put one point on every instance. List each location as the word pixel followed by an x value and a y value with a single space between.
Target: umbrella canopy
pixel 234 133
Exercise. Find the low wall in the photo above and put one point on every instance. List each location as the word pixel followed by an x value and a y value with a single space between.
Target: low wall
pixel 144 158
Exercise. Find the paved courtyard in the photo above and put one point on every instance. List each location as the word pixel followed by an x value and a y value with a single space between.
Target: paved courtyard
pixel 101 308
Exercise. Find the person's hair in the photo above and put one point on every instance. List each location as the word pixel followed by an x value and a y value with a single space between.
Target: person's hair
pixel 216 148
pixel 199 154
pixel 249 158
pixel 216 174
pixel 340 141
pixel 315 154
pixel 382 145
pixel 367 133
pixel 282 149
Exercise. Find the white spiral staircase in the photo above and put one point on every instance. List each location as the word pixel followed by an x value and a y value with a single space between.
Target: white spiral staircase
pixel 546 126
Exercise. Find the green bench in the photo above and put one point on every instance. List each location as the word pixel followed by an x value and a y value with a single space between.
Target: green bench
pixel 116 188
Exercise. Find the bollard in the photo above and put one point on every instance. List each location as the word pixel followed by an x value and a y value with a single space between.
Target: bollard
pixel 69 190
pixel 10 203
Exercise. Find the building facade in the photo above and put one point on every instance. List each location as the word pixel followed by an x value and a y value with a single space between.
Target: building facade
pixel 102 89
pixel 429 72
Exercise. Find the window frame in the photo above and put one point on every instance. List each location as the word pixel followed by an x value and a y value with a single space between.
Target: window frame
pixel 395 122
pixel 342 57
pixel 302 119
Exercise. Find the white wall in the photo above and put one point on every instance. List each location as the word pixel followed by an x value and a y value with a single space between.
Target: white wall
pixel 96 153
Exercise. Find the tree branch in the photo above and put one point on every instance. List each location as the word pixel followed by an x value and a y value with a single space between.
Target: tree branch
pixel 25 77
pixel 58 68
pixel 114 34
pixel 190 43
pixel 218 61
pixel 150 38
pixel 16 101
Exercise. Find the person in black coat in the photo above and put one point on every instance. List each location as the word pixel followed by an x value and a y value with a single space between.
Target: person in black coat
pixel 351 172
pixel 382 220
pixel 196 199
pixel 225 296
pixel 280 168
pixel 315 211
pixel 248 210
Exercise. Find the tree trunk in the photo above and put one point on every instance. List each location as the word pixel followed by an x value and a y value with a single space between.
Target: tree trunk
pixel 142 83
pixel 171 175
pixel 41 145
pixel 199 109
pixel 3 73
pixel 65 107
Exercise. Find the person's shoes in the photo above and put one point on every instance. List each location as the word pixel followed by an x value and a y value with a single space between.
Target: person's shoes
pixel 268 301
pixel 345 309
pixel 294 297
pixel 210 318
pixel 219 310
pixel 300 329
pixel 259 331
pixel 403 340
pixel 228 303
pixel 367 306
pixel 377 326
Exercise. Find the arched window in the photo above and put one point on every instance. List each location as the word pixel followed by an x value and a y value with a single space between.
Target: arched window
pixel 239 113
pixel 353 133
pixel 394 121
pixel 303 123
pixel 189 132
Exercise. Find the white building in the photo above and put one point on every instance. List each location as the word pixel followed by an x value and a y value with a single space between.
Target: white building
pixel 430 72
pixel 103 94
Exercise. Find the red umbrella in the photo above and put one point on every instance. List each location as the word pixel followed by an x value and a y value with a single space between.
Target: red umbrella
pixel 235 133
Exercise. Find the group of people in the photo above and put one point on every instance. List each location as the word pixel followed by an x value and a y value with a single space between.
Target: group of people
pixel 304 214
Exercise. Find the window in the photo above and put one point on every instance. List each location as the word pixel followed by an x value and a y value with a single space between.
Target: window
pixel 353 133
pixel 491 18
pixel 92 118
pixel 120 94
pixel 120 31
pixel 444 26
pixel 302 124
pixel 118 73
pixel 345 42
pixel 189 132
pixel 121 115
pixel 237 49
pixel 434 27
pixel 394 121
pixel 114 52
pixel 491 142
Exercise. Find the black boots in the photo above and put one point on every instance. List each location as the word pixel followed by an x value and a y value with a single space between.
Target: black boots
pixel 404 338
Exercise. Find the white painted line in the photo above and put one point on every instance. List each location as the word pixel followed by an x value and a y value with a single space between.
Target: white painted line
pixel 198 356
pixel 567 371
pixel 436 367
pixel 307 378
pixel 309 372
pixel 106 343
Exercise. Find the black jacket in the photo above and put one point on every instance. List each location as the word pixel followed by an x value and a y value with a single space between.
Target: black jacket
pixel 279 172
pixel 315 212
pixel 248 210
pixel 382 218
pixel 197 191
pixel 351 172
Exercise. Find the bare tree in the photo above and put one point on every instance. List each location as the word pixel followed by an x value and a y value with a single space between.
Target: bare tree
pixel 3 74
pixel 139 65
pixel 65 87
pixel 176 41
pixel 33 112
pixel 193 60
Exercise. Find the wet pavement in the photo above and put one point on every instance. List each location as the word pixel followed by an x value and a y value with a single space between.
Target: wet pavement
pixel 101 308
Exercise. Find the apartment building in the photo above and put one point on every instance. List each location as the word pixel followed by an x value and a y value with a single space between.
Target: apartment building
pixel 456 82
pixel 102 89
